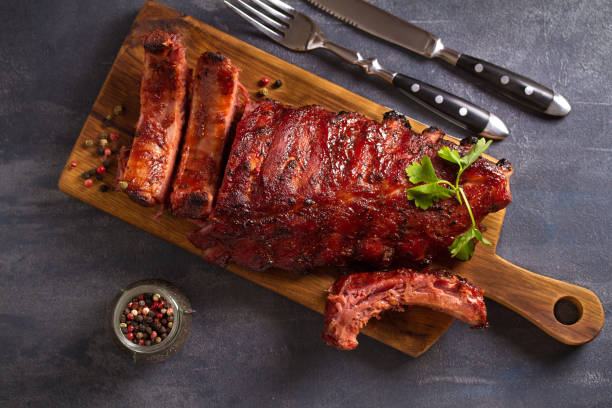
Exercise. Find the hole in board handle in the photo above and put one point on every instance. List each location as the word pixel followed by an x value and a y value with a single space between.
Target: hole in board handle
pixel 568 310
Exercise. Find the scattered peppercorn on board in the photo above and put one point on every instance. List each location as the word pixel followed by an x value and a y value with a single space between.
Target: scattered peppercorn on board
pixel 412 331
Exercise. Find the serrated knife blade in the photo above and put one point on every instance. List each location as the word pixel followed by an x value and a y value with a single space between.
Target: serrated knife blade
pixel 384 25
pixel 379 23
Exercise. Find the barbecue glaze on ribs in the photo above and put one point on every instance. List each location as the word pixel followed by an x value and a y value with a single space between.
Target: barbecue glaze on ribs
pixel 305 187
pixel 163 94
pixel 213 103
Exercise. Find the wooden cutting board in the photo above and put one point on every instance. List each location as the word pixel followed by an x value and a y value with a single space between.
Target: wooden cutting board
pixel 413 331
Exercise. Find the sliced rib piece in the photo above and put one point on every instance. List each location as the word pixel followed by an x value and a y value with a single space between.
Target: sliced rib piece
pixel 213 103
pixel 354 299
pixel 163 92
pixel 305 187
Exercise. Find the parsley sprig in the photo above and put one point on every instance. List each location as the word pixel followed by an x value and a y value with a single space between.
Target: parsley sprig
pixel 434 189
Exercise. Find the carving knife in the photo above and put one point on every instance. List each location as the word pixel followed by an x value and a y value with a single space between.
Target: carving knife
pixel 379 23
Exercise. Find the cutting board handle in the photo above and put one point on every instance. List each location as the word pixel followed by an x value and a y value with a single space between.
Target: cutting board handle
pixel 534 297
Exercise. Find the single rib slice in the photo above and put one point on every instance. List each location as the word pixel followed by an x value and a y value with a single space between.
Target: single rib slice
pixel 354 299
pixel 305 187
pixel 163 92
pixel 214 94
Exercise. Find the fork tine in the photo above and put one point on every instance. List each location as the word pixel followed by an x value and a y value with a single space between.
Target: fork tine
pixel 272 10
pixel 261 27
pixel 282 5
pixel 262 16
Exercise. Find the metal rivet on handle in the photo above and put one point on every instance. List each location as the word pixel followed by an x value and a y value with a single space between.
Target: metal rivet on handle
pixel 415 88
pixel 439 99
pixel 504 79
pixel 463 111
pixel 478 68
pixel 528 90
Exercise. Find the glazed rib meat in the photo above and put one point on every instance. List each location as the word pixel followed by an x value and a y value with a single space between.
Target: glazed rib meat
pixel 163 93
pixel 354 299
pixel 305 187
pixel 213 103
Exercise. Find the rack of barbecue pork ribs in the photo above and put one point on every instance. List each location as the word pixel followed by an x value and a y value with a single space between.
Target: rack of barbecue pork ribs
pixel 301 187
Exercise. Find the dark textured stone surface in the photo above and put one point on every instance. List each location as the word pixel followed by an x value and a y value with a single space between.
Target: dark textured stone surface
pixel 62 261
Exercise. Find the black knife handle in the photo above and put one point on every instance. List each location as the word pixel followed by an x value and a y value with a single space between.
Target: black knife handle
pixel 515 86
pixel 452 107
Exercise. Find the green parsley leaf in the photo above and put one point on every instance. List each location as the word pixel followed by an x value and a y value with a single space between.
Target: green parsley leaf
pixel 424 195
pixel 434 189
pixel 463 246
pixel 482 239
pixel 475 152
pixel 450 155
pixel 422 172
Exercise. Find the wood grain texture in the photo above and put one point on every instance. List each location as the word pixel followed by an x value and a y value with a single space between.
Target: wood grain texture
pixel 413 331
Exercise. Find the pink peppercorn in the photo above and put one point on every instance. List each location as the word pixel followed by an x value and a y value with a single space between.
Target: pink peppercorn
pixel 130 328
pixel 159 315
pixel 88 183
pixel 115 136
pixel 107 152
pixel 130 336
pixel 264 81
pixel 141 342
pixel 153 334
pixel 130 316
pixel 73 164
pixel 101 169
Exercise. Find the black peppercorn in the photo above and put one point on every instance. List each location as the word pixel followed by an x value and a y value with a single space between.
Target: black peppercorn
pixel 277 84
pixel 502 162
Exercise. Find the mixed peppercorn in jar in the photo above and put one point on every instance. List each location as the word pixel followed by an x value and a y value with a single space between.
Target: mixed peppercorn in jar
pixel 150 320
pixel 147 319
